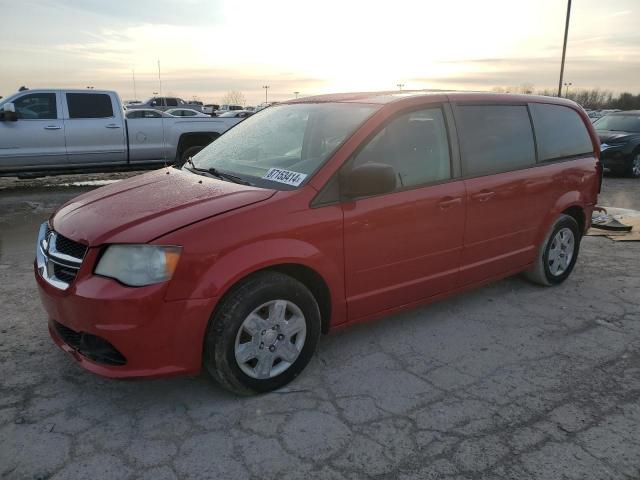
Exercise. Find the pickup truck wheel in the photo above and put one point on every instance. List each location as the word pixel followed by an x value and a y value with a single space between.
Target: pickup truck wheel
pixel 263 334
pixel 189 152
pixel 558 253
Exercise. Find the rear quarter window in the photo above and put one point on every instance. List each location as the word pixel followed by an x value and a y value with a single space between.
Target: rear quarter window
pixel 560 132
pixel 89 105
pixel 495 138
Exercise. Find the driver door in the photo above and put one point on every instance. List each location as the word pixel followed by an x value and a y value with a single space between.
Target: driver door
pixel 37 138
pixel 405 246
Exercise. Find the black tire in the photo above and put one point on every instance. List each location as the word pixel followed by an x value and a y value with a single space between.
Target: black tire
pixel 244 298
pixel 540 272
pixel 188 152
pixel 632 170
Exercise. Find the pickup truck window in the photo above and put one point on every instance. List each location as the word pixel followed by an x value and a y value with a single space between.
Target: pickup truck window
pixel 89 105
pixel 294 138
pixel 37 106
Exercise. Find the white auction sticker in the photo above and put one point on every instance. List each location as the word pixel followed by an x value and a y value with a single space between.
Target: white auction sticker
pixel 285 176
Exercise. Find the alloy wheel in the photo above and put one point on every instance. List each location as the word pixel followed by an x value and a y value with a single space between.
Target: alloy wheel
pixel 561 251
pixel 270 339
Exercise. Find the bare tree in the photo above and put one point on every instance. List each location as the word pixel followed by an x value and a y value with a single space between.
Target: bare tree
pixel 234 97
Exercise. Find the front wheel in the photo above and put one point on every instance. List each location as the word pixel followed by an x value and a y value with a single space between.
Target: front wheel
pixel 263 334
pixel 633 169
pixel 558 253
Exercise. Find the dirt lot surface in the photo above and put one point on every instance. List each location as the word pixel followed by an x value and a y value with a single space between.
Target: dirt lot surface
pixel 511 381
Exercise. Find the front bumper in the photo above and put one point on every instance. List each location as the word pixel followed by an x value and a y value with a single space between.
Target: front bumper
pixel 154 337
pixel 615 157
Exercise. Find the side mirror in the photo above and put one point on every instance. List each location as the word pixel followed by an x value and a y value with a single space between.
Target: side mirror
pixel 368 179
pixel 9 113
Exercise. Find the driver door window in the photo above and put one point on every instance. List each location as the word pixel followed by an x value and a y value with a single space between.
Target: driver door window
pixel 415 144
pixel 37 106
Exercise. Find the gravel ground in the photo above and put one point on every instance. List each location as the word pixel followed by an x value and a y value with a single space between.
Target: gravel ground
pixel 510 381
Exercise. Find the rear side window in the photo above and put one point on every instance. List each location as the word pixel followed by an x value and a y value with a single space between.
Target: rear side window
pixel 560 132
pixel 172 102
pixel 415 145
pixel 89 105
pixel 495 138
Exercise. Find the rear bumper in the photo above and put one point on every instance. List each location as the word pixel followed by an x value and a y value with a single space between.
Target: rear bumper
pixel 154 337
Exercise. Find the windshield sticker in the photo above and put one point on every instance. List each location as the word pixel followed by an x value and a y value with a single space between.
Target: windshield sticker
pixel 285 176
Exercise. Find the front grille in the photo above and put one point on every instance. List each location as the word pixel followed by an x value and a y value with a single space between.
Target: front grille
pixel 91 346
pixel 65 274
pixel 58 257
pixel 69 247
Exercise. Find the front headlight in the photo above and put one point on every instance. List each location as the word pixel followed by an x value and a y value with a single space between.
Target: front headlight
pixel 139 265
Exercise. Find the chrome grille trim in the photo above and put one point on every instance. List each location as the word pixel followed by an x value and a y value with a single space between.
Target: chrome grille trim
pixel 48 256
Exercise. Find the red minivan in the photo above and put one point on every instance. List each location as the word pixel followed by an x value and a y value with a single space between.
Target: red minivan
pixel 312 215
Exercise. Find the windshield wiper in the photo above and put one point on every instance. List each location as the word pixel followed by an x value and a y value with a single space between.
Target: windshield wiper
pixel 217 173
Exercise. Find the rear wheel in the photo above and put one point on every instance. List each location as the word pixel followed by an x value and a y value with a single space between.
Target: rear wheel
pixel 187 153
pixel 263 334
pixel 558 253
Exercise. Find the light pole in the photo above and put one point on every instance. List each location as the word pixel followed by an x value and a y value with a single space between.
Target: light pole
pixel 400 85
pixel 135 92
pixel 266 88
pixel 566 89
pixel 564 47
pixel 296 94
pixel 159 78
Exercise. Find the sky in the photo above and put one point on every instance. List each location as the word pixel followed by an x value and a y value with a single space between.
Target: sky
pixel 209 47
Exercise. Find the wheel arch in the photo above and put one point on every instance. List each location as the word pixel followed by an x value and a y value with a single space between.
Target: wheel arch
pixel 306 275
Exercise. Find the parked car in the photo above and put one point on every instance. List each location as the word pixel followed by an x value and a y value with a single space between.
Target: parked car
pixel 237 114
pixel 620 142
pixel 165 103
pixel 228 108
pixel 210 108
pixel 185 112
pixel 58 131
pixel 310 216
pixel 145 113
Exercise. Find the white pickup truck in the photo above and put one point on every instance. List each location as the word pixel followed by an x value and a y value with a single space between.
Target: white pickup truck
pixel 59 131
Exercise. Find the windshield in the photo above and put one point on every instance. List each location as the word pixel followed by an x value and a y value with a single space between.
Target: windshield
pixel 283 145
pixel 620 123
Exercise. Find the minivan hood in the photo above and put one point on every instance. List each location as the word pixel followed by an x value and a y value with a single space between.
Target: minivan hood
pixel 142 208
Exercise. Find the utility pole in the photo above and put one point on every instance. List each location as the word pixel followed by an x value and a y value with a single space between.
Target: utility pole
pixel 400 85
pixel 566 89
pixel 266 88
pixel 296 94
pixel 135 92
pixel 159 77
pixel 564 47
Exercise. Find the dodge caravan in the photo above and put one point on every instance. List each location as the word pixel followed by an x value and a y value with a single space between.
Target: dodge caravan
pixel 309 216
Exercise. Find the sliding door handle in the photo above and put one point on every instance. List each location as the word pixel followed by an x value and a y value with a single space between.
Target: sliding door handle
pixel 483 196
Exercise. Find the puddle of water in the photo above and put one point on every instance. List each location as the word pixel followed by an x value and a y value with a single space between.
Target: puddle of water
pixel 85 183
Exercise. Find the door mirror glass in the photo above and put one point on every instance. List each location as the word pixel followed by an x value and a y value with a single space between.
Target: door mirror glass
pixel 8 113
pixel 367 180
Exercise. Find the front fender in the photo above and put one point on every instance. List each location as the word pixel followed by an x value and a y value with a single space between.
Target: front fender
pixel 213 276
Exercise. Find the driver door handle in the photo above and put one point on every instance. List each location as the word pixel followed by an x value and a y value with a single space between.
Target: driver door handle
pixel 112 125
pixel 53 127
